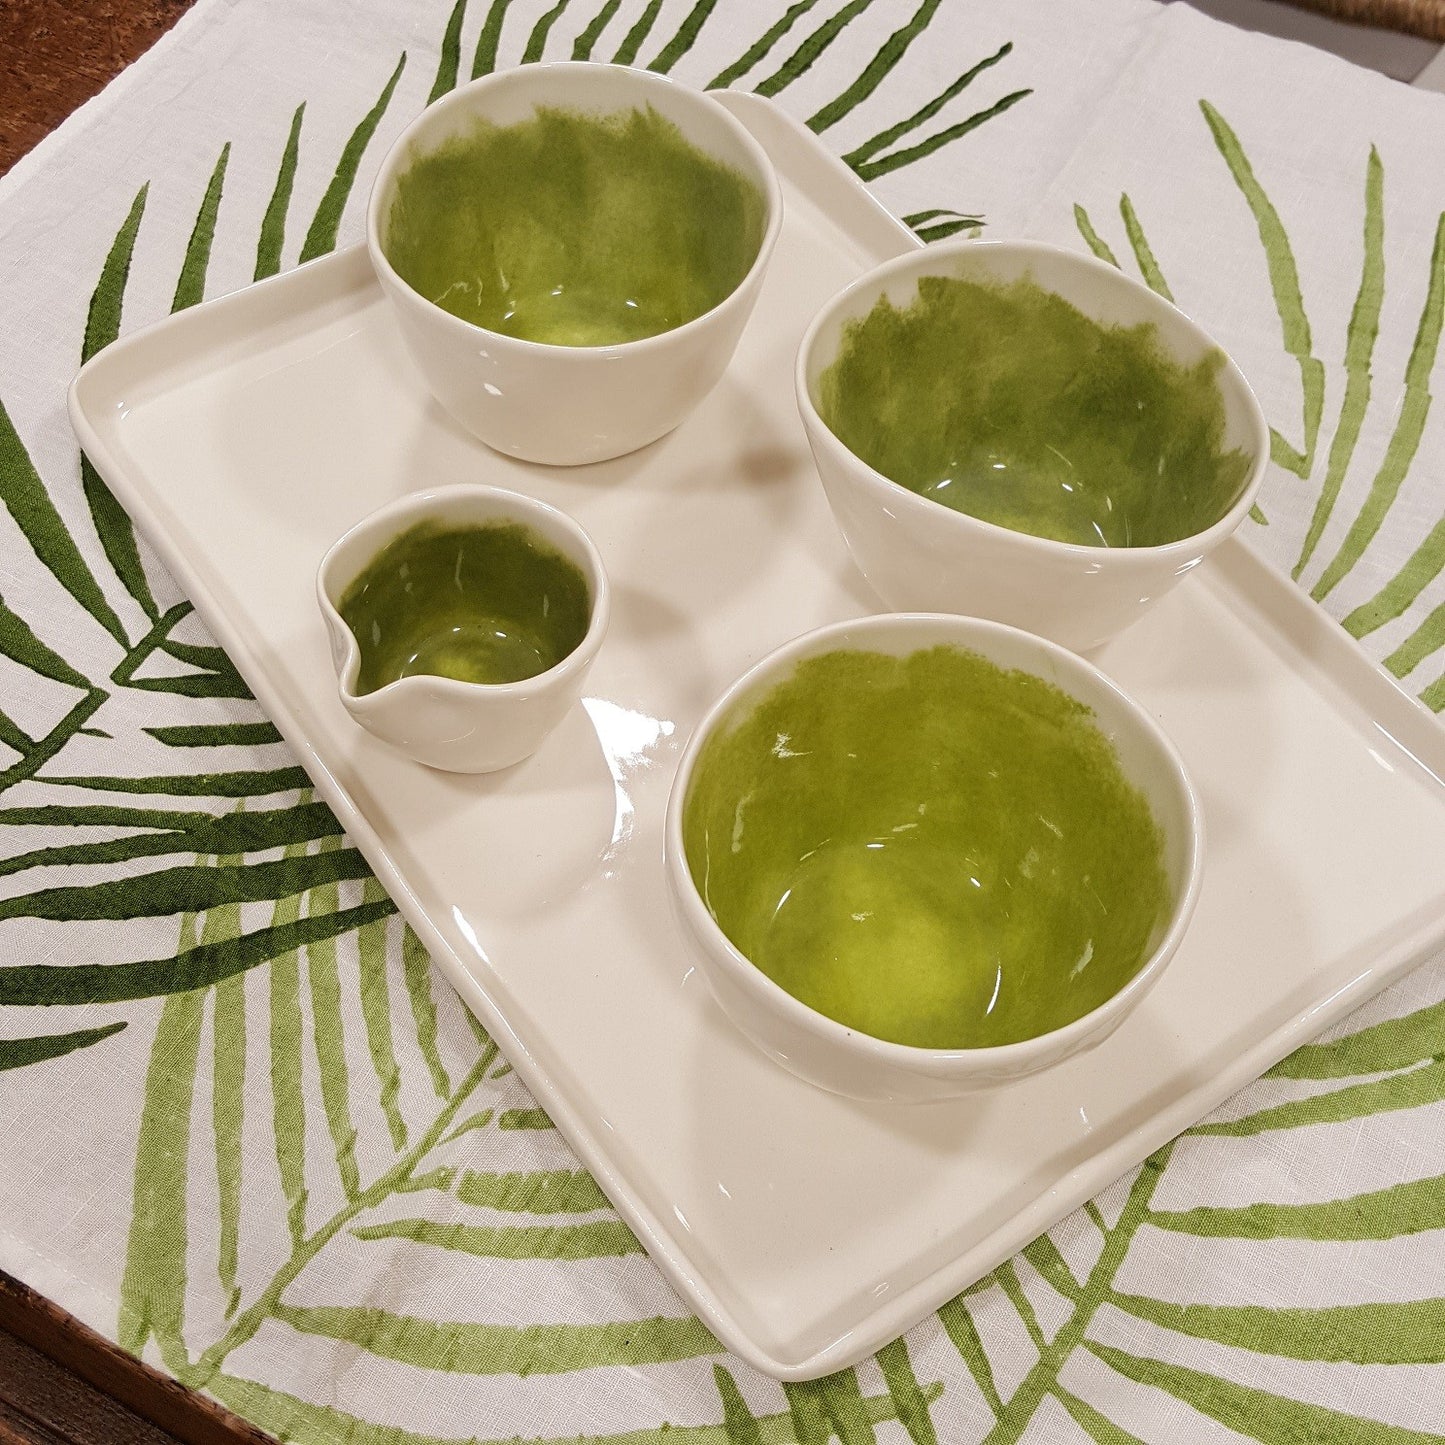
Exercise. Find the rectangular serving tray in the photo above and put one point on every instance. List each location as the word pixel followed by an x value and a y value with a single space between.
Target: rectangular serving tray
pixel 244 436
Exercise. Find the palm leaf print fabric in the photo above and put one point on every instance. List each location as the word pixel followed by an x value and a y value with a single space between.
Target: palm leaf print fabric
pixel 254 1138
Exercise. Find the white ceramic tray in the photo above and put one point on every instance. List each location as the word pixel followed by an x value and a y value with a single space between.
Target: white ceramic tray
pixel 807 1230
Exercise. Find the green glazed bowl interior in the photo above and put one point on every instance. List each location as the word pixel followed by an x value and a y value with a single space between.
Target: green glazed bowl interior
pixel 490 602
pixel 930 849
pixel 998 397
pixel 573 227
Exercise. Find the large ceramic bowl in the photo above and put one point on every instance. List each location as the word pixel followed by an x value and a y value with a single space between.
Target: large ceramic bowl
pixel 562 212
pixel 991 368
pixel 1062 804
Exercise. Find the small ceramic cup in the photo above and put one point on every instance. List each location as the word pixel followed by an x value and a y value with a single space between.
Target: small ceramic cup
pixel 461 727
pixel 918 554
pixel 842 1059
pixel 571 404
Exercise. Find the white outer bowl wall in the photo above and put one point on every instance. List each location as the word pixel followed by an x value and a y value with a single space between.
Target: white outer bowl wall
pixel 463 727
pixel 568 405
pixel 843 1060
pixel 919 555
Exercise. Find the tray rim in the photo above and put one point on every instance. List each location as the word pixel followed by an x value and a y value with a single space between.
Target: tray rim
pixel 1310 632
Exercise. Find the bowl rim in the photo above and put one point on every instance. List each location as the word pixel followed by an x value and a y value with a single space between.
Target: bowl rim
pixel 464 96
pixel 1004 1060
pixel 379 528
pixel 935 260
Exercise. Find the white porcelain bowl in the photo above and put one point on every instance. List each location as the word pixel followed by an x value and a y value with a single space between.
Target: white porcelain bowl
pixel 567 405
pixel 919 555
pixel 842 1059
pixel 461 727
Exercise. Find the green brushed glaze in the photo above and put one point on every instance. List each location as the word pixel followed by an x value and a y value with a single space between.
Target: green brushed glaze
pixel 929 849
pixel 488 604
pixel 1008 403
pixel 574 229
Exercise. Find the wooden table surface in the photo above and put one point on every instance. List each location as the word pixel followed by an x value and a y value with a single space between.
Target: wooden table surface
pixel 62 1384
pixel 56 54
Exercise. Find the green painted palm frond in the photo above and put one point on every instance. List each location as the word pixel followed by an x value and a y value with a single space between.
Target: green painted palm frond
pixel 1408 1089
pixel 449 56
pixel 833 1408
pixel 335 1180
pixel 1285 283
pixel 684 37
pixel 1398 1043
pixel 117 536
pixel 464 1347
pixel 326 224
pixel 871 169
pixel 762 47
pixel 873 74
pixel 1377 1334
pixel 295 1419
pixel 939 222
pixel 1413 409
pixel 1359 354
pixel 1408 1333
pixel 789 48
pixel 1389 1213
pixel 162 831
pixel 1250 1410
pixel 185 844
pixel 186 889
pixel 539 1191
pixel 210 863
pixel 637 34
pixel 896 132
pixel 596 1239
pixel 63 692
pixel 812 47
pixel 17 1053
pixel 305 982
pixel 193 966
pixel 882 153
pixel 160 661
pixel 1397 596
pixel 591 33
pixel 1409 413
pixel 370 1112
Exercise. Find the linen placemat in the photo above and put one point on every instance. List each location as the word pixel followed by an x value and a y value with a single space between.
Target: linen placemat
pixel 252 1136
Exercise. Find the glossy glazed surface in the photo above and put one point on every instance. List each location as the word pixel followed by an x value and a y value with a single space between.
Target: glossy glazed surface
pixel 489 604
pixel 930 849
pixel 1007 402
pixel 574 229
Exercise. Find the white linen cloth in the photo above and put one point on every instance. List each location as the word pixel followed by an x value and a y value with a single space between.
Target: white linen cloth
pixel 1279 1275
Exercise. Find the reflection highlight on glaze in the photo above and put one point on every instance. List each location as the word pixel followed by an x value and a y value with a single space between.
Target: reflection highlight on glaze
pixel 466 930
pixel 628 740
pixel 1414 758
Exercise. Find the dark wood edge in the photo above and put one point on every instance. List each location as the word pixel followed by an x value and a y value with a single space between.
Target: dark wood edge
pixel 190 1417
pixel 56 54
pixel 1425 18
